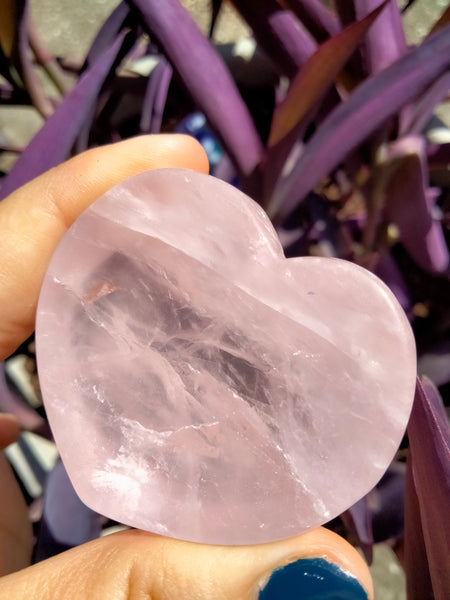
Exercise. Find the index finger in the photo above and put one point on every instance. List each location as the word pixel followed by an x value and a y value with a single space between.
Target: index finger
pixel 35 217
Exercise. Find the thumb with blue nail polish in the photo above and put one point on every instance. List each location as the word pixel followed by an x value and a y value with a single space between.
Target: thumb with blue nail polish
pixel 132 565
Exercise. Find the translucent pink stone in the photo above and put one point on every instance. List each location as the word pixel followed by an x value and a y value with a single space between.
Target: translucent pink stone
pixel 199 385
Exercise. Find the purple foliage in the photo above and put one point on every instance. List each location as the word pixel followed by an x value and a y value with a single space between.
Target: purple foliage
pixel 368 107
pixel 53 142
pixel 427 530
pixel 195 60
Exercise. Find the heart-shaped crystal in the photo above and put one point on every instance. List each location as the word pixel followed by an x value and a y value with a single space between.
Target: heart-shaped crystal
pixel 201 386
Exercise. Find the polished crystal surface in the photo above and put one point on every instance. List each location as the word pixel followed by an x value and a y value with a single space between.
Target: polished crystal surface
pixel 198 384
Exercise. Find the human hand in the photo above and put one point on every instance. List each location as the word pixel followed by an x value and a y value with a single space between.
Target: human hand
pixel 132 564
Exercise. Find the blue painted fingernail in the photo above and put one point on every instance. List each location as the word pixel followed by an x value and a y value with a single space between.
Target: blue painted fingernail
pixel 312 579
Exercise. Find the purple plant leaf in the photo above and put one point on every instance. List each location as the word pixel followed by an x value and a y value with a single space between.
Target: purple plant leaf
pixel 12 402
pixel 282 37
pixel 118 21
pixel 66 522
pixel 155 97
pixel 358 520
pixel 52 144
pixel 314 79
pixel 207 79
pixel 417 569
pixel 407 205
pixel 368 107
pixel 160 98
pixel 418 115
pixel 316 17
pixel 295 112
pixel 317 76
pixel 427 530
pixel 385 41
pixel 107 34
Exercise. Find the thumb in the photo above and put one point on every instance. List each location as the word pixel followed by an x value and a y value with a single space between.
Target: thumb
pixel 133 565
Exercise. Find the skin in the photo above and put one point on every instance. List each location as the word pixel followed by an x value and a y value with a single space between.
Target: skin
pixel 131 565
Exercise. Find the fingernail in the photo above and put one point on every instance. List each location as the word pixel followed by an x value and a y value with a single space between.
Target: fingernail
pixel 312 579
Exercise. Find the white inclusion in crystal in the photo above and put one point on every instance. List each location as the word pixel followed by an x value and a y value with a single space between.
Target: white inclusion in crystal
pixel 320 508
pixel 128 485
pixel 98 394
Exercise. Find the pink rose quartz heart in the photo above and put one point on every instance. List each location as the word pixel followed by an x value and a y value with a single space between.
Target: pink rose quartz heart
pixel 198 384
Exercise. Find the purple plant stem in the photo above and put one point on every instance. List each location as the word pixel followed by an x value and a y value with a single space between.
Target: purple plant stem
pixel 155 97
pixel 207 80
pixel 160 99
